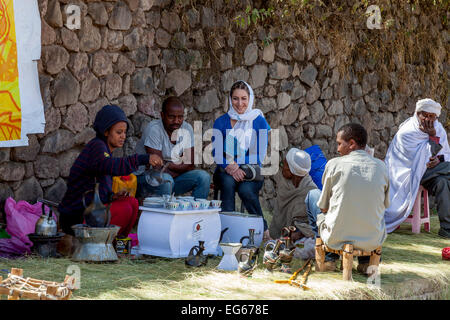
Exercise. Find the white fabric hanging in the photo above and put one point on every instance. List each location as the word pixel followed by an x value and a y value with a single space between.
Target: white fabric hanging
pixel 27 23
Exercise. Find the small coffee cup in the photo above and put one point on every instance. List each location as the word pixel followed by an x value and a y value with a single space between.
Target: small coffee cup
pixel 196 205
pixel 171 205
pixel 216 203
pixel 184 205
pixel 205 204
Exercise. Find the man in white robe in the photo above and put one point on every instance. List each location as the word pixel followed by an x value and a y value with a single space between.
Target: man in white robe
pixel 419 154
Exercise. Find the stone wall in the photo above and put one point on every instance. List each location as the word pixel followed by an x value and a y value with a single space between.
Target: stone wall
pixel 134 53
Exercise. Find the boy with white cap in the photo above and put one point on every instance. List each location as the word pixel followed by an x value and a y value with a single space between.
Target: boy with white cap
pixel 418 155
pixel 293 184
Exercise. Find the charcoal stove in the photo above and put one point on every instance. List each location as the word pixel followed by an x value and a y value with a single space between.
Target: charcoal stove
pixel 45 246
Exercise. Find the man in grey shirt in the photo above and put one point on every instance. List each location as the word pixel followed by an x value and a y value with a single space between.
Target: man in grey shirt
pixel 355 194
pixel 173 140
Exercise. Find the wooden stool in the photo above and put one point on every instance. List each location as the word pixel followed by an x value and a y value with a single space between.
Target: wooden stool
pixel 416 218
pixel 347 257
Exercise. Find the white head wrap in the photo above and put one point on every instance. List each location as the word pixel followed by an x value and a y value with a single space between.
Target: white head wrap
pixel 299 162
pixel 243 128
pixel 428 105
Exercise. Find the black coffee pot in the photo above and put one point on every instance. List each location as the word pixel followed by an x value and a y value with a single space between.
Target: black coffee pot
pixel 196 258
pixel 96 215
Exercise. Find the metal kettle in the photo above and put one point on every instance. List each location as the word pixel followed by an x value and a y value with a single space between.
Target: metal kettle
pixel 246 266
pixel 272 254
pixel 46 225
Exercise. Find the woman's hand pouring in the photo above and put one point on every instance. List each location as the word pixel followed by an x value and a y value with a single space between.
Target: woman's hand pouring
pixel 155 160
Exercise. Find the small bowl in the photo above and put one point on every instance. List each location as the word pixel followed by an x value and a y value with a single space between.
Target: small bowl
pixel 216 203
pixel 172 205
pixel 196 205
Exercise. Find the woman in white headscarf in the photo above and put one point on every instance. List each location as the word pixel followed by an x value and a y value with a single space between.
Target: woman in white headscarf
pixel 240 142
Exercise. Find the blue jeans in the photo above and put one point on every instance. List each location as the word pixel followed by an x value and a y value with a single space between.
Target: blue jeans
pixel 197 181
pixel 248 191
pixel 312 211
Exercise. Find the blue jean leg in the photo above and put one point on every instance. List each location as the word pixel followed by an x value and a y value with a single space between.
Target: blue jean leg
pixel 312 210
pixel 249 193
pixel 227 186
pixel 197 181
pixel 144 189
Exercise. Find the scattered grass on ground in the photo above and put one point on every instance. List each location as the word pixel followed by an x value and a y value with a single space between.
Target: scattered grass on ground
pixel 411 268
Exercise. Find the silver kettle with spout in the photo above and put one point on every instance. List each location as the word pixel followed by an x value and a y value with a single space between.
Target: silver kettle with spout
pixel 46 225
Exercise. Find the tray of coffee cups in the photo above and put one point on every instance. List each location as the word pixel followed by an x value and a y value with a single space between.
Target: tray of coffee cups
pixel 181 203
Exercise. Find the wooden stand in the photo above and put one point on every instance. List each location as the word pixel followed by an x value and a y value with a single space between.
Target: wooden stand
pixel 16 287
pixel 347 262
pixel 320 256
pixel 347 257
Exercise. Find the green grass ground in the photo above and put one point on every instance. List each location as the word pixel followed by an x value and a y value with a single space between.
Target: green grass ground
pixel 412 268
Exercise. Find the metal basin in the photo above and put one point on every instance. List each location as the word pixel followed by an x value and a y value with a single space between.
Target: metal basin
pixel 95 243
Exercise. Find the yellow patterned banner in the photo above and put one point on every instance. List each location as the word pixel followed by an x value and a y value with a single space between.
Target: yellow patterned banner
pixel 10 111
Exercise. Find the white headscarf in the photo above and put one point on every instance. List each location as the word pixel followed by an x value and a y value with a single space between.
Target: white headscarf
pixel 299 162
pixel 428 105
pixel 242 130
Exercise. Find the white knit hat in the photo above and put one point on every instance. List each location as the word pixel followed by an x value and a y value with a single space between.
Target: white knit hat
pixel 299 162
